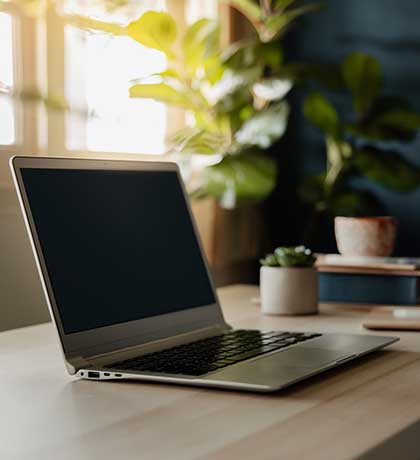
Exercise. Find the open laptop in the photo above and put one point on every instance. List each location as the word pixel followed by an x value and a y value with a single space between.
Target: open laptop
pixel 129 290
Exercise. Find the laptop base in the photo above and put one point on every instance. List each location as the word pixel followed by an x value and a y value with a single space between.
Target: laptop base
pixel 270 372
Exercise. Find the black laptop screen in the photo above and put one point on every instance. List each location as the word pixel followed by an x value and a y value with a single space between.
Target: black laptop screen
pixel 118 245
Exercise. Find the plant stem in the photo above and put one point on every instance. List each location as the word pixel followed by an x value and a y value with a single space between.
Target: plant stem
pixel 266 7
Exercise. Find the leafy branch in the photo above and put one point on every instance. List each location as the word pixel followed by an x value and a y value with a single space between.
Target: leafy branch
pixel 236 96
pixel 351 143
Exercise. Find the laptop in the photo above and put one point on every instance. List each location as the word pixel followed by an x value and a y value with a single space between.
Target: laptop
pixel 129 289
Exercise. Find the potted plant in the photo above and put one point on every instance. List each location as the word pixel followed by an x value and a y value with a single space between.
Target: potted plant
pixel 289 282
pixel 362 142
pixel 234 97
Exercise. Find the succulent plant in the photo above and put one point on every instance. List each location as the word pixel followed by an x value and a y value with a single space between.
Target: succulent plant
pixel 298 256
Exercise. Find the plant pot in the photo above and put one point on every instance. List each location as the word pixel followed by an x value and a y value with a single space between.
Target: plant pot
pixel 365 236
pixel 289 291
pixel 232 240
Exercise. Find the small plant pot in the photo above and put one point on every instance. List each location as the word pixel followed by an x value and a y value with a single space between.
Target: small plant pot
pixel 365 236
pixel 289 291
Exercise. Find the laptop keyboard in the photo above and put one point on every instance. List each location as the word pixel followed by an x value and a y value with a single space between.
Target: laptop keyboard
pixel 211 354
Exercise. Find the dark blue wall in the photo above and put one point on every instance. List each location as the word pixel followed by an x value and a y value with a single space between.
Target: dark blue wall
pixel 389 30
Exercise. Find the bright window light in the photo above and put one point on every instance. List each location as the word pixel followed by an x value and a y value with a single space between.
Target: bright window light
pixel 113 121
pixel 98 71
pixel 7 116
pixel 201 9
pixel 119 11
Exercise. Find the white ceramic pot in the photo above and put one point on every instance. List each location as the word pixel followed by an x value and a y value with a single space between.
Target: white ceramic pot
pixel 365 236
pixel 289 291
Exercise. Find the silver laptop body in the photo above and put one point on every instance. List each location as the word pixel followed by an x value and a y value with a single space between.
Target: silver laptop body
pixel 105 311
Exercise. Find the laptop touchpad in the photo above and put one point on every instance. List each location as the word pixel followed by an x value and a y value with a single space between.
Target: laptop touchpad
pixel 279 368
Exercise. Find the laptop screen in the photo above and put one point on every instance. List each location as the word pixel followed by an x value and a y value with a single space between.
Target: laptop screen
pixel 118 245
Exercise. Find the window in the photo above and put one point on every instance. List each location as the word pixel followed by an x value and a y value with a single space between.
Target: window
pixel 113 122
pixel 198 9
pixel 7 115
pixel 98 70
pixel 91 71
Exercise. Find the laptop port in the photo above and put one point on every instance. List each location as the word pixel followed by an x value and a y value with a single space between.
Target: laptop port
pixel 93 375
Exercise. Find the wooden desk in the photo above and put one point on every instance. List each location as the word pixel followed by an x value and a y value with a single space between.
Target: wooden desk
pixel 45 414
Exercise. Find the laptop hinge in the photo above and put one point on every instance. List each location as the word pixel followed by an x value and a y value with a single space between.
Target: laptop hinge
pixel 74 363
pixel 150 347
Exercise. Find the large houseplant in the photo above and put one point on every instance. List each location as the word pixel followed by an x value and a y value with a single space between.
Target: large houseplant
pixel 235 95
pixel 365 141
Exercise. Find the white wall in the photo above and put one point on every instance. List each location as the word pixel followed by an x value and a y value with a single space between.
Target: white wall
pixel 21 299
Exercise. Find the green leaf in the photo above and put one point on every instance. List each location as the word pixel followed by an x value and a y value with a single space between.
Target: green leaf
pixel 362 75
pixel 272 89
pixel 298 256
pixel 322 114
pixel 399 119
pixel 355 203
pixel 154 29
pixel 230 83
pixel 270 260
pixel 389 169
pixel 169 76
pixel 233 102
pixel 395 125
pixel 276 24
pixel 199 141
pixel 264 128
pixel 283 4
pixel 83 22
pixel 240 54
pixel 338 154
pixel 213 69
pixel 342 202
pixel 390 118
pixel 312 189
pixel 252 53
pixel 239 179
pixel 248 8
pixel 270 55
pixel 200 42
pixel 211 121
pixel 328 75
pixel 161 92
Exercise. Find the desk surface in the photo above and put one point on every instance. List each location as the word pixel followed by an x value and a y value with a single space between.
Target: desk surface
pixel 45 414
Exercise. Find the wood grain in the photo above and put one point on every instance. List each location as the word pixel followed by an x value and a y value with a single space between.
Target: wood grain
pixel 45 414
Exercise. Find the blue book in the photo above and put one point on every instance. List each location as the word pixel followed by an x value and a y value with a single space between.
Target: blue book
pixel 378 288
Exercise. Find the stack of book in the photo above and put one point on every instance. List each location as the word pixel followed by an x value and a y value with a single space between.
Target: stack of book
pixel 369 280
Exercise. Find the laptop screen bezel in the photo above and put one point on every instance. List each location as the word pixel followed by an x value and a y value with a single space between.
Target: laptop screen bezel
pixel 132 333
